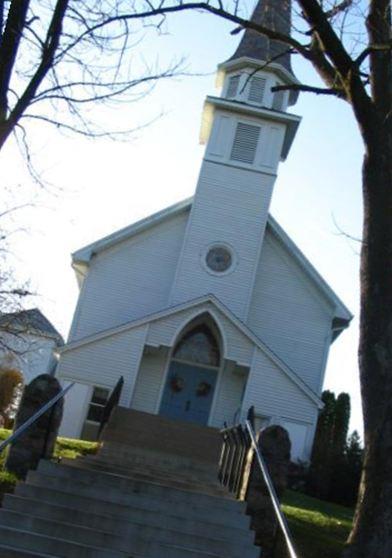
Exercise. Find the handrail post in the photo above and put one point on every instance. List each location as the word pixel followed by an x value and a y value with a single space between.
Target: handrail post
pixel 275 501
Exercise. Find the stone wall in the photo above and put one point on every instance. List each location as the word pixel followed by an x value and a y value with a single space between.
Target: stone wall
pixel 275 446
pixel 39 439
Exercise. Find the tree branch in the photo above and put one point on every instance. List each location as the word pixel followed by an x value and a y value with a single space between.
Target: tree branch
pixel 338 8
pixel 9 48
pixel 371 48
pixel 51 43
pixel 347 71
pixel 204 6
pixel 310 89
pixel 378 24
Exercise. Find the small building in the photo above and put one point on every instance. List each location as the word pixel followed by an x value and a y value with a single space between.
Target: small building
pixel 208 307
pixel 28 341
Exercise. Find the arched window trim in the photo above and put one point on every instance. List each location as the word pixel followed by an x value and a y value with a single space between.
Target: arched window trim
pixel 199 328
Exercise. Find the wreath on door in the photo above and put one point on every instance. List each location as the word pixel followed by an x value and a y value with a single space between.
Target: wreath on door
pixel 203 389
pixel 177 383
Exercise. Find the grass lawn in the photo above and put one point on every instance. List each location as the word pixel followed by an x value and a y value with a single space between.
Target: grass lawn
pixel 319 528
pixel 65 447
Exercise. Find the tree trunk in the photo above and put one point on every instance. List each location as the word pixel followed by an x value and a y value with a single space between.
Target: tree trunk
pixel 371 536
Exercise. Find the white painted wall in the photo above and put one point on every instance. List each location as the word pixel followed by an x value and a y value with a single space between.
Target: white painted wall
pixel 149 382
pixel 129 280
pixel 230 206
pixel 101 363
pixel 76 402
pixel 275 396
pixel 290 314
pixel 229 395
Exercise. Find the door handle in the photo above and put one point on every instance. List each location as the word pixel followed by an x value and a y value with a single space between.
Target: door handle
pixel 187 405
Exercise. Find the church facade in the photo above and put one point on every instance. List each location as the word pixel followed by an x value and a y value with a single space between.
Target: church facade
pixel 208 307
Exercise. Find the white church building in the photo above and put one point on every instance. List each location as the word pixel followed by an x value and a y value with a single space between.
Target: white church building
pixel 208 307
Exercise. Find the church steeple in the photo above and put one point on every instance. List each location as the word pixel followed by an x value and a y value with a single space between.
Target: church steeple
pixel 266 60
pixel 274 15
pixel 247 131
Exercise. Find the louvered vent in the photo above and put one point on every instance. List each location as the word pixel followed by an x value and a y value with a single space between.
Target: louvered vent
pixel 232 88
pixel 256 89
pixel 277 102
pixel 245 143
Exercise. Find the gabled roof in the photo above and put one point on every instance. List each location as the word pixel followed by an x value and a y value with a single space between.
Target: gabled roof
pixel 293 376
pixel 84 255
pixel 29 321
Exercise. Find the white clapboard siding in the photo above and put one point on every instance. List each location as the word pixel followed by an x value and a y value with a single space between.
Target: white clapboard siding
pixel 273 394
pixel 149 382
pixel 76 404
pixel 228 401
pixel 289 313
pixel 231 205
pixel 103 362
pixel 165 331
pixel 131 279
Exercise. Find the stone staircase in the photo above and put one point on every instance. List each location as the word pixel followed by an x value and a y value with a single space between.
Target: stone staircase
pixel 150 492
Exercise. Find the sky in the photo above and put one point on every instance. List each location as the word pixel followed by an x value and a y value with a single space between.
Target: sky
pixel 98 186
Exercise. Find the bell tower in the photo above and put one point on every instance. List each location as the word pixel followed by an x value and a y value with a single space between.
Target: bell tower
pixel 247 131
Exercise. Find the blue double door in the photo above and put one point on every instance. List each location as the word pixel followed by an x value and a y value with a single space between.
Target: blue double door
pixel 188 392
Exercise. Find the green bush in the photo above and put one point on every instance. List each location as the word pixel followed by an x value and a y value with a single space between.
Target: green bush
pixel 79 447
pixel 7 483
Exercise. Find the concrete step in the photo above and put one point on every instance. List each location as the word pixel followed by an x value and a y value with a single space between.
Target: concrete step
pixel 128 455
pixel 137 537
pixel 12 552
pixel 158 433
pixel 149 474
pixel 119 524
pixel 60 548
pixel 120 488
pixel 61 531
pixel 139 506
pixel 169 466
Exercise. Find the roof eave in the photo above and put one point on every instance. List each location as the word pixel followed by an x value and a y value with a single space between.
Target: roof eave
pixel 291 121
pixel 273 67
pixel 84 255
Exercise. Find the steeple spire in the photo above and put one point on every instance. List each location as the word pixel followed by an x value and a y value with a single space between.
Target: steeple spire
pixel 275 15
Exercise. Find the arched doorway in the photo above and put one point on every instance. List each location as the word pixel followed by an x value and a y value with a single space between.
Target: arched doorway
pixel 192 374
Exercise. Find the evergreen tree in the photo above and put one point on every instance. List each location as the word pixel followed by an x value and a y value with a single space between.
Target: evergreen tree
pixel 320 467
pixel 327 471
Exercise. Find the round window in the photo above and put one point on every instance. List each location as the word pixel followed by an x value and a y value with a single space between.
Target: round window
pixel 219 259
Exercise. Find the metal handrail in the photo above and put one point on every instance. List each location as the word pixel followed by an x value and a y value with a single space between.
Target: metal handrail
pixel 23 427
pixel 275 501
pixel 112 402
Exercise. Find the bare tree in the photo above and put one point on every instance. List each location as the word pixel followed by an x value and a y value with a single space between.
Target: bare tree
pixel 349 44
pixel 58 58
pixel 13 292
pixel 11 385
